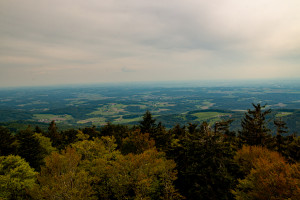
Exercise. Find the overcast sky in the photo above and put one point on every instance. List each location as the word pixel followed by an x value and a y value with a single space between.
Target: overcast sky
pixel 44 42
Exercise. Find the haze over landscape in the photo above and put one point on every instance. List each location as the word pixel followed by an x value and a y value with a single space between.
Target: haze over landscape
pixel 140 99
pixel 65 42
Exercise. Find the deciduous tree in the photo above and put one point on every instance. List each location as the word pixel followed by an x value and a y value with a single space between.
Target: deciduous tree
pixel 16 178
pixel 267 175
pixel 61 178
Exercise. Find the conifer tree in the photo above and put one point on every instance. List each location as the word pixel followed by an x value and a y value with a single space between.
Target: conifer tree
pixel 147 125
pixel 162 137
pixel 281 129
pixel 204 163
pixel 254 127
pixel 30 148
pixel 38 130
pixel 6 142
pixel 54 135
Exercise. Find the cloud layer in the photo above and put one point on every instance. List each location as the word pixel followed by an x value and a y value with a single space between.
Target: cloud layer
pixel 80 41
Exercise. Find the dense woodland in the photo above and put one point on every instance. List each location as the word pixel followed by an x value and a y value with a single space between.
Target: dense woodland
pixel 148 161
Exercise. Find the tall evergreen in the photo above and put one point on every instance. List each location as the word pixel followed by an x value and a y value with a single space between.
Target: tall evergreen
pixel 204 163
pixel 254 126
pixel 6 142
pixel 29 148
pixel 281 129
pixel 147 125
pixel 54 135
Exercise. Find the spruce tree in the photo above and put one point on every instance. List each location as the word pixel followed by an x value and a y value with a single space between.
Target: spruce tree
pixel 254 126
pixel 147 125
pixel 30 148
pixel 6 142
pixel 54 135
pixel 281 129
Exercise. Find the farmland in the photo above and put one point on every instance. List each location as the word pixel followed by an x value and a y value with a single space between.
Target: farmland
pixel 126 104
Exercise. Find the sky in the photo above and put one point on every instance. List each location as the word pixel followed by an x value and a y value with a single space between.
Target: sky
pixel 49 42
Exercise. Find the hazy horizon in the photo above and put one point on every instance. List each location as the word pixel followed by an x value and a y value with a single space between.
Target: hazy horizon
pixel 170 84
pixel 46 43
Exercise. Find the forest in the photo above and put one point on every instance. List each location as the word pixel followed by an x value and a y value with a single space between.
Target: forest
pixel 150 161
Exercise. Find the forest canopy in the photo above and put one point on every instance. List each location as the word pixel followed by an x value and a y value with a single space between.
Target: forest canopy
pixel 149 161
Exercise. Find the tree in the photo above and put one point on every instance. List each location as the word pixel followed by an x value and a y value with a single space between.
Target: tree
pixel 148 175
pixel 30 148
pixel 281 129
pixel 268 176
pixel 162 137
pixel 38 130
pixel 16 178
pixel 6 142
pixel 147 125
pixel 118 131
pixel 143 176
pixel 91 131
pixel 61 178
pixel 54 135
pixel 204 163
pixel 137 143
pixel 292 151
pixel 45 143
pixel 68 137
pixel 97 157
pixel 254 128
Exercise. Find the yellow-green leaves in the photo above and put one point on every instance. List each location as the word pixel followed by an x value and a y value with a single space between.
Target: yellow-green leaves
pixel 16 177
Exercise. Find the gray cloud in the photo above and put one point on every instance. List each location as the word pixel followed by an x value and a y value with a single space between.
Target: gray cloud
pixel 91 40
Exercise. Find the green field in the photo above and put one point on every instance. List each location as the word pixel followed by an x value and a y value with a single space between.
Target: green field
pixel 49 117
pixel 282 114
pixel 208 116
pixel 95 121
pixel 124 121
pixel 111 109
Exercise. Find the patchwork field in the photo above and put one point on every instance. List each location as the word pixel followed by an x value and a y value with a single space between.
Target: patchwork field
pixel 97 105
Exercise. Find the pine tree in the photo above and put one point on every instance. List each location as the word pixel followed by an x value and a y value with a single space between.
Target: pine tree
pixel 6 142
pixel 54 135
pixel 147 125
pixel 29 148
pixel 254 126
pixel 281 129
pixel 204 163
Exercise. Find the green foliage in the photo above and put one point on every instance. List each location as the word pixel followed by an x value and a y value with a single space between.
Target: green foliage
pixel 30 148
pixel 147 125
pixel 118 131
pixel 161 137
pixel 137 143
pixel 68 137
pixel 148 161
pixel 54 135
pixel 61 178
pixel 16 178
pixel 134 176
pixel 204 162
pixel 45 144
pixel 7 140
pixel 292 151
pixel 143 176
pixel 91 131
pixel 281 129
pixel 254 127
pixel 97 157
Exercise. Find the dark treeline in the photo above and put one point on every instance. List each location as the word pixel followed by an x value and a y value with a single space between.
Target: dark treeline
pixel 148 161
